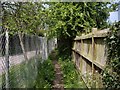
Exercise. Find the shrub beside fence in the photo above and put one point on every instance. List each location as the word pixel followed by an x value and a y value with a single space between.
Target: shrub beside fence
pixel 90 55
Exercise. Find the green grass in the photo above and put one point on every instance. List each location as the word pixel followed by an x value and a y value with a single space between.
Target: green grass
pixel 24 74
pixel 72 78
pixel 31 74
pixel 41 74
pixel 45 75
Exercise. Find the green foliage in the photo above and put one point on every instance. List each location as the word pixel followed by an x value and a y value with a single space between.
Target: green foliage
pixel 45 75
pixel 71 78
pixel 23 17
pixel 31 74
pixel 22 75
pixel 68 19
pixel 111 74
pixel 53 55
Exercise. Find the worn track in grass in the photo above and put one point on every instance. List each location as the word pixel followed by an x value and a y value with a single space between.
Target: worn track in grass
pixel 58 82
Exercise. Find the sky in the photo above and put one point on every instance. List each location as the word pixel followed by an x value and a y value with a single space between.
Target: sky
pixel 113 17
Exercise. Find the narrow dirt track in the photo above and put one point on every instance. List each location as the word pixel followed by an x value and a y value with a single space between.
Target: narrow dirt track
pixel 58 82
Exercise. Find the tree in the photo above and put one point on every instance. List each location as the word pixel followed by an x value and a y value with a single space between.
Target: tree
pixel 66 20
pixel 22 18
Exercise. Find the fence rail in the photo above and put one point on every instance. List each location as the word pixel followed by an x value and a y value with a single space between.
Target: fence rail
pixel 90 55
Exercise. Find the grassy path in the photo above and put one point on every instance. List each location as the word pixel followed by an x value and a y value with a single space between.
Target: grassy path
pixel 66 75
pixel 58 82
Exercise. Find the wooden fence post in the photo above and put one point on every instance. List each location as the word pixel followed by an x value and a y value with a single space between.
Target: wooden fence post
pixel 82 48
pixel 94 30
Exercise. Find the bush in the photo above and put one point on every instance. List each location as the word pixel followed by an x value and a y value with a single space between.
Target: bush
pixel 72 78
pixel 111 74
pixel 45 75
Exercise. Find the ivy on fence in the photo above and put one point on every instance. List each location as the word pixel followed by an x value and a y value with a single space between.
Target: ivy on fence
pixel 111 74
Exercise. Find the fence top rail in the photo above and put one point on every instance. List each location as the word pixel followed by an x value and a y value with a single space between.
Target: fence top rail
pixel 95 33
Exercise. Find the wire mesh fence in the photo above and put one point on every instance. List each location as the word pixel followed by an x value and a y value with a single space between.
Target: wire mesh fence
pixel 15 70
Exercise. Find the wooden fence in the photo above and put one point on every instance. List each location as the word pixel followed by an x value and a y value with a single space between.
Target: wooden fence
pixel 90 55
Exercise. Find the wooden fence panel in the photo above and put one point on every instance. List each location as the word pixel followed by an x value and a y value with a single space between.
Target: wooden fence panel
pixel 89 55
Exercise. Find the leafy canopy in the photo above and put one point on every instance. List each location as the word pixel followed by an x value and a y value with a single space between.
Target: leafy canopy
pixel 68 19
pixel 71 18
pixel 23 17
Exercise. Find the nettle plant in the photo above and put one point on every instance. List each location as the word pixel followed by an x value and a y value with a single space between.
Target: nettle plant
pixel 111 74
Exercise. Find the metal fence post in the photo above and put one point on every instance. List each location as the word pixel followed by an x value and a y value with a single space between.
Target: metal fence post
pixel 7 59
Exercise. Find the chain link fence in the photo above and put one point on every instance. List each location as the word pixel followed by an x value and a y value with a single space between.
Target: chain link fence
pixel 15 70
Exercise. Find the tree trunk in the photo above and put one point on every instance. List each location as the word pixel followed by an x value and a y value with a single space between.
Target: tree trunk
pixel 22 45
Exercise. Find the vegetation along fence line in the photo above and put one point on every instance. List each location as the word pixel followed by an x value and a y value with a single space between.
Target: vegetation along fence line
pixel 15 70
pixel 90 55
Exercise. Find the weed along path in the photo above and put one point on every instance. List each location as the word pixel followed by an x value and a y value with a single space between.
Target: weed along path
pixel 58 82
